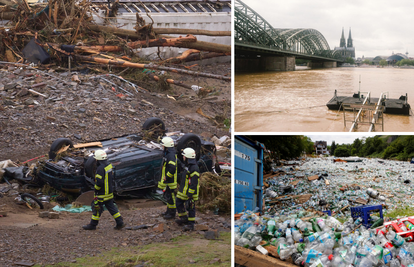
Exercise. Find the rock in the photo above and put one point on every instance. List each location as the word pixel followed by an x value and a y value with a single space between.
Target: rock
pixel 215 260
pixel 132 111
pixel 23 92
pixel 159 228
pixel 77 136
pixel 7 102
pixel 10 86
pixel 53 215
pixel 82 125
pixel 24 263
pixel 201 227
pixel 49 118
pixel 212 234
pixel 44 214
pixel 167 235
pixel 81 110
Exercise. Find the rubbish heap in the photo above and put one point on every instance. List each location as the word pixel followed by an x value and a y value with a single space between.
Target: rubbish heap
pixel 295 225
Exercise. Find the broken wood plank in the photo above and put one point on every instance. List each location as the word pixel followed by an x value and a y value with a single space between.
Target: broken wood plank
pixel 327 182
pixel 37 93
pixel 314 177
pixel 295 182
pixel 62 149
pixel 88 145
pixel 347 206
pixel 250 258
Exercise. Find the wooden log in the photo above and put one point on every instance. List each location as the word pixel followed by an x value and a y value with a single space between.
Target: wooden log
pixel 133 34
pixel 7 15
pixel 250 258
pixel 123 63
pixel 314 177
pixel 88 145
pixel 192 55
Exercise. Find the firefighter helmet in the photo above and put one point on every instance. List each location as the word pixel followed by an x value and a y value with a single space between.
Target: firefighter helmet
pixel 189 153
pixel 100 155
pixel 167 142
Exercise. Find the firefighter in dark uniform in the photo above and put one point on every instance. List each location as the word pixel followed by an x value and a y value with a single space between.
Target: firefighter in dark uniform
pixel 168 181
pixel 103 193
pixel 188 191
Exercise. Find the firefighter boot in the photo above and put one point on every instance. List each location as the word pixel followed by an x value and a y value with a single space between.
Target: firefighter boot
pixel 170 214
pixel 183 220
pixel 119 223
pixel 90 226
pixel 164 213
pixel 189 227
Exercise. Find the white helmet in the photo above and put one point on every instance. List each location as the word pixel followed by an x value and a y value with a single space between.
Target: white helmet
pixel 100 155
pixel 189 153
pixel 167 142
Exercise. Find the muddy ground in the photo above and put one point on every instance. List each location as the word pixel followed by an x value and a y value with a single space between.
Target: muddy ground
pixel 93 109
pixel 27 238
pixel 89 110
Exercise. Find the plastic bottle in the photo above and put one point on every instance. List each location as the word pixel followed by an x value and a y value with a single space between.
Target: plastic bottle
pixel 311 255
pixel 409 225
pixel 402 225
pixel 321 223
pixel 311 238
pixel 395 263
pixel 365 262
pixel 297 258
pixel 289 238
pixel 271 227
pixel 387 256
pixel 394 238
pixel 361 253
pixel 285 251
pixel 250 232
pixel 338 259
pixel 375 254
pixel 351 254
pixel 297 236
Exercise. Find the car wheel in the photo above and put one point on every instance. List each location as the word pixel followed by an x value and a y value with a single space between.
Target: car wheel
pixel 90 167
pixel 189 140
pixel 153 128
pixel 58 144
pixel 32 201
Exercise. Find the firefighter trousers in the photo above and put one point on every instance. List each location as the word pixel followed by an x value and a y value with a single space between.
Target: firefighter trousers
pixel 184 206
pixel 110 206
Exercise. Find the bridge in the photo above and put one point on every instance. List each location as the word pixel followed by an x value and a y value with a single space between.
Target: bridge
pixel 259 46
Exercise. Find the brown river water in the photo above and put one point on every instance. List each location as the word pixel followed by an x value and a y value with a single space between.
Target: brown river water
pixel 295 101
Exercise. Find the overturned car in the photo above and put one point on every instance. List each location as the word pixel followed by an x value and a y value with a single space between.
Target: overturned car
pixel 137 160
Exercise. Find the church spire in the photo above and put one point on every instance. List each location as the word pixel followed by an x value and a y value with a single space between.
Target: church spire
pixel 349 44
pixel 342 43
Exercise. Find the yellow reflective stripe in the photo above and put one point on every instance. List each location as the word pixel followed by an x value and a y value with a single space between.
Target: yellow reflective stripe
pixel 173 197
pixel 171 162
pixel 161 185
pixel 163 172
pixel 182 214
pixel 169 175
pixel 185 186
pixel 172 185
pixel 98 176
pixel 116 215
pixel 96 218
pixel 194 173
pixel 106 197
pixel 97 187
pixel 191 191
pixel 191 219
pixel 171 206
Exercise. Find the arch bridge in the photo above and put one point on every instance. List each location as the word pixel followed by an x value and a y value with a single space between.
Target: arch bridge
pixel 260 46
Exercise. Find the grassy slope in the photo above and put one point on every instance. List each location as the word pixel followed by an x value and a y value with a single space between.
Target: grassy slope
pixel 191 250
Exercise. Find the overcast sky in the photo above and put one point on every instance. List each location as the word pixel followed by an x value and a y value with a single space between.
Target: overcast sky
pixel 339 138
pixel 378 27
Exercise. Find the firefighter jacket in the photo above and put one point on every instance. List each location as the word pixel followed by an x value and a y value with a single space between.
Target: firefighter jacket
pixel 189 184
pixel 104 181
pixel 169 170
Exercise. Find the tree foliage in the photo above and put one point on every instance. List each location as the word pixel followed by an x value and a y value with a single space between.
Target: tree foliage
pixel 383 62
pixel 285 146
pixel 350 60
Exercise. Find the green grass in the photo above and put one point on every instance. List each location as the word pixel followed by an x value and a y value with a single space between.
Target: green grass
pixel 401 212
pixel 184 250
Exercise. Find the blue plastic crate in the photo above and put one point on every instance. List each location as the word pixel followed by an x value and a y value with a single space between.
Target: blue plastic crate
pixel 327 212
pixel 364 212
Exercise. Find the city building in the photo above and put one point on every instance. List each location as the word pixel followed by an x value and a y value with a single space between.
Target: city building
pixel 321 147
pixel 346 48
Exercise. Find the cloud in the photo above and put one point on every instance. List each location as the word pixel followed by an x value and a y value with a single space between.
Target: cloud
pixel 378 26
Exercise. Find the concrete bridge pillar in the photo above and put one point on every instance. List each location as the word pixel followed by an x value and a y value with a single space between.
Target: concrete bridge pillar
pixel 265 64
pixel 321 64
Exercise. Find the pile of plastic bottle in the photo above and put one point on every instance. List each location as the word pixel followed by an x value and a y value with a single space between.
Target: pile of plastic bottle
pixel 389 177
pixel 325 241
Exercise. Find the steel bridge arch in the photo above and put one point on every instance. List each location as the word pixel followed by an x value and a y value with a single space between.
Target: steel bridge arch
pixel 251 28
